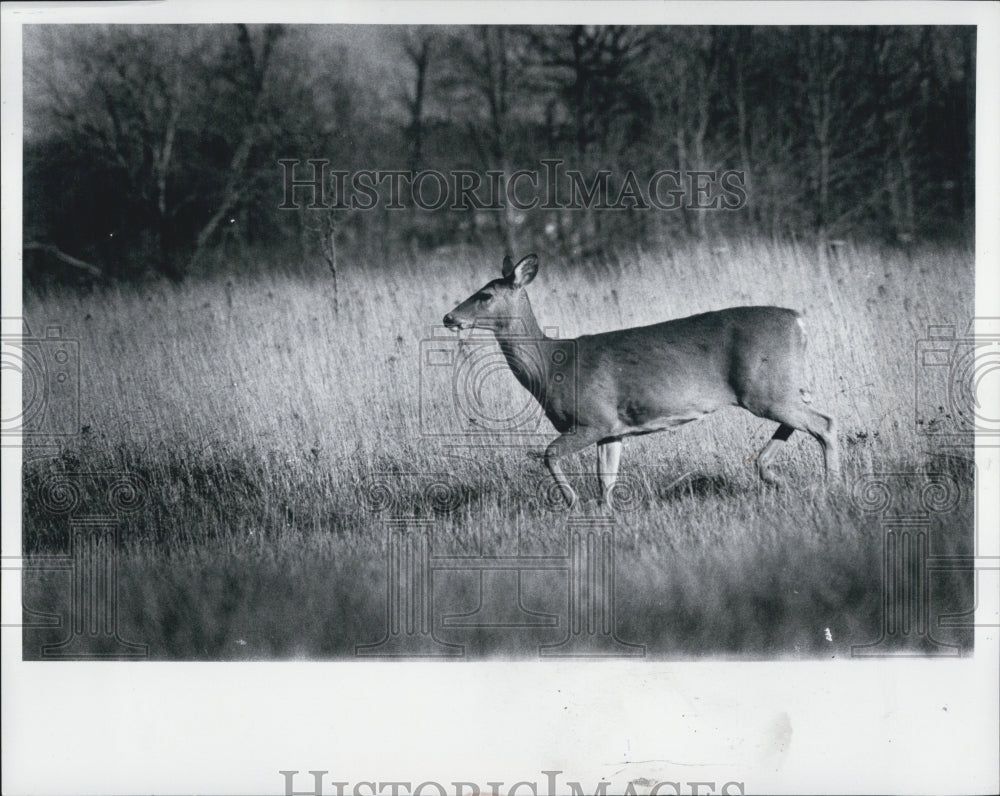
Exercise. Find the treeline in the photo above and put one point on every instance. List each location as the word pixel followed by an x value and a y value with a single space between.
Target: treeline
pixel 157 149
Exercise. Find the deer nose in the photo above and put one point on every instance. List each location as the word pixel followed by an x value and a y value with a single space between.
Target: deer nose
pixel 449 320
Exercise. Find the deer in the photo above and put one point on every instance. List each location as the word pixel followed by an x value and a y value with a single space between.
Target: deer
pixel 601 388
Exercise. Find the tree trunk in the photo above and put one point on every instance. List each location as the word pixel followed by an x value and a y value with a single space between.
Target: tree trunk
pixel 233 190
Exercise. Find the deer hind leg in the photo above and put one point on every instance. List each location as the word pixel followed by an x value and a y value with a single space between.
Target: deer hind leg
pixel 821 427
pixel 782 433
pixel 609 452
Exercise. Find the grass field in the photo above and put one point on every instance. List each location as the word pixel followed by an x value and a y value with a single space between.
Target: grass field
pixel 272 437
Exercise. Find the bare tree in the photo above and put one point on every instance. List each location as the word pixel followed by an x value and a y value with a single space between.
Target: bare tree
pixel 123 96
pixel 254 62
pixel 418 44
pixel 486 84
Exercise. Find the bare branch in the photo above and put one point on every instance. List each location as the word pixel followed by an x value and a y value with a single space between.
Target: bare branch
pixel 60 255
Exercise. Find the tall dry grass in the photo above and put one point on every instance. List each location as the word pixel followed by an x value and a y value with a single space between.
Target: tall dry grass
pixel 265 425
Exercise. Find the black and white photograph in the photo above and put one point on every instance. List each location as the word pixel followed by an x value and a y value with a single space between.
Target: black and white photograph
pixel 368 341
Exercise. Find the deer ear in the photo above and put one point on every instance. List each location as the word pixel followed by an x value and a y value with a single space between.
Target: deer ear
pixel 524 271
pixel 508 266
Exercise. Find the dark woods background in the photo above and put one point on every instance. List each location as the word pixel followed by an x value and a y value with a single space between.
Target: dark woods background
pixel 154 150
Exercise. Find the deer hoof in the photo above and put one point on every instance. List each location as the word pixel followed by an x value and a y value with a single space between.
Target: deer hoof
pixel 769 479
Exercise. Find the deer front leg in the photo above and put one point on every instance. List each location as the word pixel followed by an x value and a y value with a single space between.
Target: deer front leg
pixel 562 446
pixel 609 452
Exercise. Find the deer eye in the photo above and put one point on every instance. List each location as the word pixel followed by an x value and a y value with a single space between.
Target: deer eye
pixel 484 298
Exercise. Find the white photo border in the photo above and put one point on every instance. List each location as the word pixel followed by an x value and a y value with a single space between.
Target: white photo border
pixel 917 726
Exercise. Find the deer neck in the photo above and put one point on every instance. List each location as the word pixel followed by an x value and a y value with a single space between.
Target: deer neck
pixel 525 348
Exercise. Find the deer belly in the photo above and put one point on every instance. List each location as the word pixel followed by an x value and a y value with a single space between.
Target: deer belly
pixel 638 417
pixel 660 424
